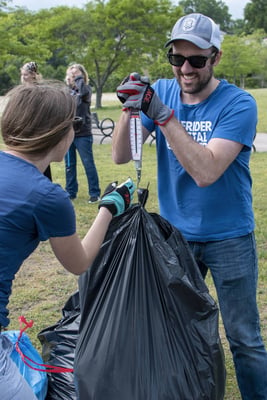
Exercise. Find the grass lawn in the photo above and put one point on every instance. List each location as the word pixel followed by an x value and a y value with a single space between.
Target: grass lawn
pixel 260 96
pixel 42 286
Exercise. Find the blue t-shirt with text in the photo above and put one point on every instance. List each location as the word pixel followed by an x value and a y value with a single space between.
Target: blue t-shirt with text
pixel 222 210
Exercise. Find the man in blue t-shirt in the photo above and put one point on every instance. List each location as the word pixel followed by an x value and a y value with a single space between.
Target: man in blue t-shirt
pixel 204 133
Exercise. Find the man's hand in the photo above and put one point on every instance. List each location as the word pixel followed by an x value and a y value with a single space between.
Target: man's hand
pixel 136 92
pixel 118 198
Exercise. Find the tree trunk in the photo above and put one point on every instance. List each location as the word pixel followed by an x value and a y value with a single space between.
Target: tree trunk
pixel 242 82
pixel 98 100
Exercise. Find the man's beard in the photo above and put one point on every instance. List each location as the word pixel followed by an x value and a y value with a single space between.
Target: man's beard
pixel 198 85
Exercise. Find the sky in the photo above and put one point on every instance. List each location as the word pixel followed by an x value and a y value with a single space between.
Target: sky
pixel 236 7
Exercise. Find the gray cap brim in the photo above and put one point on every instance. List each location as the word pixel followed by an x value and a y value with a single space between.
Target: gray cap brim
pixel 197 41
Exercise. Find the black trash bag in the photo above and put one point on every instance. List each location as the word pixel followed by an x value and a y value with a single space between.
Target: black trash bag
pixel 149 328
pixel 58 347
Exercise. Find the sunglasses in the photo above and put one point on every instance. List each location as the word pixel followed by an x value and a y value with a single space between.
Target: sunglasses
pixel 195 61
pixel 77 123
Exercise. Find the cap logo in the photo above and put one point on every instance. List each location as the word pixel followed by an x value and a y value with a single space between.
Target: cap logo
pixel 189 24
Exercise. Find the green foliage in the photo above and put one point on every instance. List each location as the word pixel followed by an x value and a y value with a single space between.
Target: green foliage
pixel 21 39
pixel 217 10
pixel 160 68
pixel 237 27
pixel 115 37
pixel 256 15
pixel 239 60
pixel 125 37
pixel 106 37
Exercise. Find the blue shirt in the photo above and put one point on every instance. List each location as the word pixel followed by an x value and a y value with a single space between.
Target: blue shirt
pixel 32 209
pixel 224 209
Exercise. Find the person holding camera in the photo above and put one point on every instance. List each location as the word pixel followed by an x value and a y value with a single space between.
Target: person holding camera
pixel 37 129
pixel 77 81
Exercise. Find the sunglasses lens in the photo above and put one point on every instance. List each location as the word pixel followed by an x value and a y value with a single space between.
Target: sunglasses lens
pixel 176 59
pixel 197 61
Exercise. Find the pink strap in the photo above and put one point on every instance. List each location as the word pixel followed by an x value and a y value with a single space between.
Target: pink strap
pixel 28 361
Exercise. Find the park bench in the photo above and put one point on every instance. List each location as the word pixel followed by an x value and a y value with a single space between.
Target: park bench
pixel 106 127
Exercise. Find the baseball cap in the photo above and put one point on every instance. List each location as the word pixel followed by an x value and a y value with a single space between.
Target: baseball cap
pixel 198 29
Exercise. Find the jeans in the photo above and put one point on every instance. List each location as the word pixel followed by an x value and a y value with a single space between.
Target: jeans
pixel 234 268
pixel 12 384
pixel 84 145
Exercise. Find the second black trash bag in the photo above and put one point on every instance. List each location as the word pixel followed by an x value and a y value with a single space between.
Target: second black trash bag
pixel 149 328
pixel 58 346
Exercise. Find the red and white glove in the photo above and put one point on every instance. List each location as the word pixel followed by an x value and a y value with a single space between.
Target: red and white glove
pixel 136 92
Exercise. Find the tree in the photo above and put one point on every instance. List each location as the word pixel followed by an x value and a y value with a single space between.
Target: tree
pixel 18 44
pixel 258 45
pixel 125 37
pixel 238 60
pixel 110 38
pixel 160 68
pixel 256 15
pixel 217 10
pixel 63 31
pixel 238 27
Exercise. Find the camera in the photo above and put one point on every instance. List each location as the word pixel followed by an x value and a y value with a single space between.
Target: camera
pixel 77 123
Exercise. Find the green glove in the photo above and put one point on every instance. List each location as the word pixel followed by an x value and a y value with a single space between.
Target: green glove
pixel 118 198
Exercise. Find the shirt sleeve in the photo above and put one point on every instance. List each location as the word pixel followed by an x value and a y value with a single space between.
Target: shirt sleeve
pixel 84 90
pixel 54 215
pixel 238 120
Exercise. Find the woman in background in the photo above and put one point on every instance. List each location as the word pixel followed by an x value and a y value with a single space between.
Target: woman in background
pixel 78 83
pixel 29 73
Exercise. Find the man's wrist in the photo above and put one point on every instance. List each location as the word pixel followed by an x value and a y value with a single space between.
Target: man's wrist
pixel 165 121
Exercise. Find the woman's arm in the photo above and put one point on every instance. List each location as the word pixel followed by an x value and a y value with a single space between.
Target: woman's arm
pixel 77 255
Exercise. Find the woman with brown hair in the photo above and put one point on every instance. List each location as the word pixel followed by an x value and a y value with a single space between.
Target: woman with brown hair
pixel 37 129
pixel 29 74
